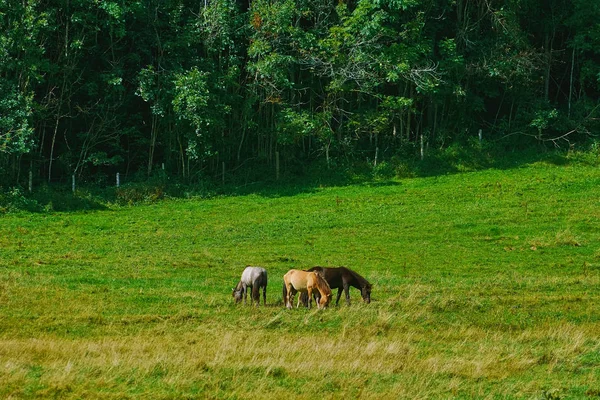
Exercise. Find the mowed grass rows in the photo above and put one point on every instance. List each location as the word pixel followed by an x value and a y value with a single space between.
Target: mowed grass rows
pixel 486 285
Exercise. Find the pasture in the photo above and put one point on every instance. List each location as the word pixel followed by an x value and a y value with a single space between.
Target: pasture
pixel 485 285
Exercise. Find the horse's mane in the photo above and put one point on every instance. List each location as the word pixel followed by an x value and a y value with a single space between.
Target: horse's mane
pixel 322 284
pixel 361 281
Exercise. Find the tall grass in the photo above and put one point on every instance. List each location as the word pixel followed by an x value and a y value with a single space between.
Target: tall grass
pixel 486 285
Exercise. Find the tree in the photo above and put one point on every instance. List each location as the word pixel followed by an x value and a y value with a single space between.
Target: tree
pixel 21 68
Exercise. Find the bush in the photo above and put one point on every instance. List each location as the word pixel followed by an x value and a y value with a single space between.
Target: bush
pixel 15 200
pixel 139 193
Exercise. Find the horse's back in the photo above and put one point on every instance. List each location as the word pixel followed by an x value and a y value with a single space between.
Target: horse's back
pixel 333 275
pixel 298 279
pixel 338 277
pixel 255 276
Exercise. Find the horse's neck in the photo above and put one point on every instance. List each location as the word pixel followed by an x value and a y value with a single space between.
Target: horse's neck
pixel 322 288
pixel 357 281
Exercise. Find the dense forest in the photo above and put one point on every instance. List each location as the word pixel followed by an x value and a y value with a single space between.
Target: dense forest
pixel 190 89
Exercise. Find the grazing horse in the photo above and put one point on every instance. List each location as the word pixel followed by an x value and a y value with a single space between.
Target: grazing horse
pixel 256 278
pixel 342 278
pixel 305 282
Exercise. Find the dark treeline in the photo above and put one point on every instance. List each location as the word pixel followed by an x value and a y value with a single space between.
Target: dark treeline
pixel 93 87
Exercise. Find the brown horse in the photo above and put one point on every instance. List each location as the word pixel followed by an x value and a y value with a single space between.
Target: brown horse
pixel 305 282
pixel 342 278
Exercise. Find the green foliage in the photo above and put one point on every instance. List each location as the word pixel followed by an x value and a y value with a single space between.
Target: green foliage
pixel 21 27
pixel 543 119
pixel 48 200
pixel 293 126
pixel 191 98
pixel 14 200
pixel 150 90
pixel 192 85
pixel 16 132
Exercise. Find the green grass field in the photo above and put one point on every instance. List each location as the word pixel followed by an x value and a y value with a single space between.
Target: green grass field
pixel 486 285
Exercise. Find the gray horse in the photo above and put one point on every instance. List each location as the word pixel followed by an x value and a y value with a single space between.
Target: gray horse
pixel 256 278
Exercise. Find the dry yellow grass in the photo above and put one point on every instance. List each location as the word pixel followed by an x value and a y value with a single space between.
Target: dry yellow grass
pixel 245 363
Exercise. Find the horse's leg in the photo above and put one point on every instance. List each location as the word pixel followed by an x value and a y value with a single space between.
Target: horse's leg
pixel 256 294
pixel 287 295
pixel 310 298
pixel 303 298
pixel 339 294
pixel 288 299
pixel 245 290
pixel 347 293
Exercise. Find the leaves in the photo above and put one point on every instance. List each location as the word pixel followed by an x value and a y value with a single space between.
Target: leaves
pixel 195 84
pixel 16 132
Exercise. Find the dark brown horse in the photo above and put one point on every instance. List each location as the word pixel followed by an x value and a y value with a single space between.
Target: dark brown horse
pixel 342 278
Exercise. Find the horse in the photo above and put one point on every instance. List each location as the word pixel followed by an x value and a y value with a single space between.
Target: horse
pixel 342 278
pixel 305 282
pixel 256 278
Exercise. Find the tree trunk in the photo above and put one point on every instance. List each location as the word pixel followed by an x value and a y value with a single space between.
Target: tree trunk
pixel 548 48
pixel 52 149
pixel 153 134
pixel 571 82
pixel 408 117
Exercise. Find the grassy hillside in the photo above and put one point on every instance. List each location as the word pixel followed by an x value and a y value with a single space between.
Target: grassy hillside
pixel 486 284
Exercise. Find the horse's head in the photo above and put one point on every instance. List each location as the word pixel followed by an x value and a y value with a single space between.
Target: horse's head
pixel 237 295
pixel 366 293
pixel 325 300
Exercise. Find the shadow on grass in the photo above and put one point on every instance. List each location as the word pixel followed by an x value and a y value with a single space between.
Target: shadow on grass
pixel 260 180
pixel 453 160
